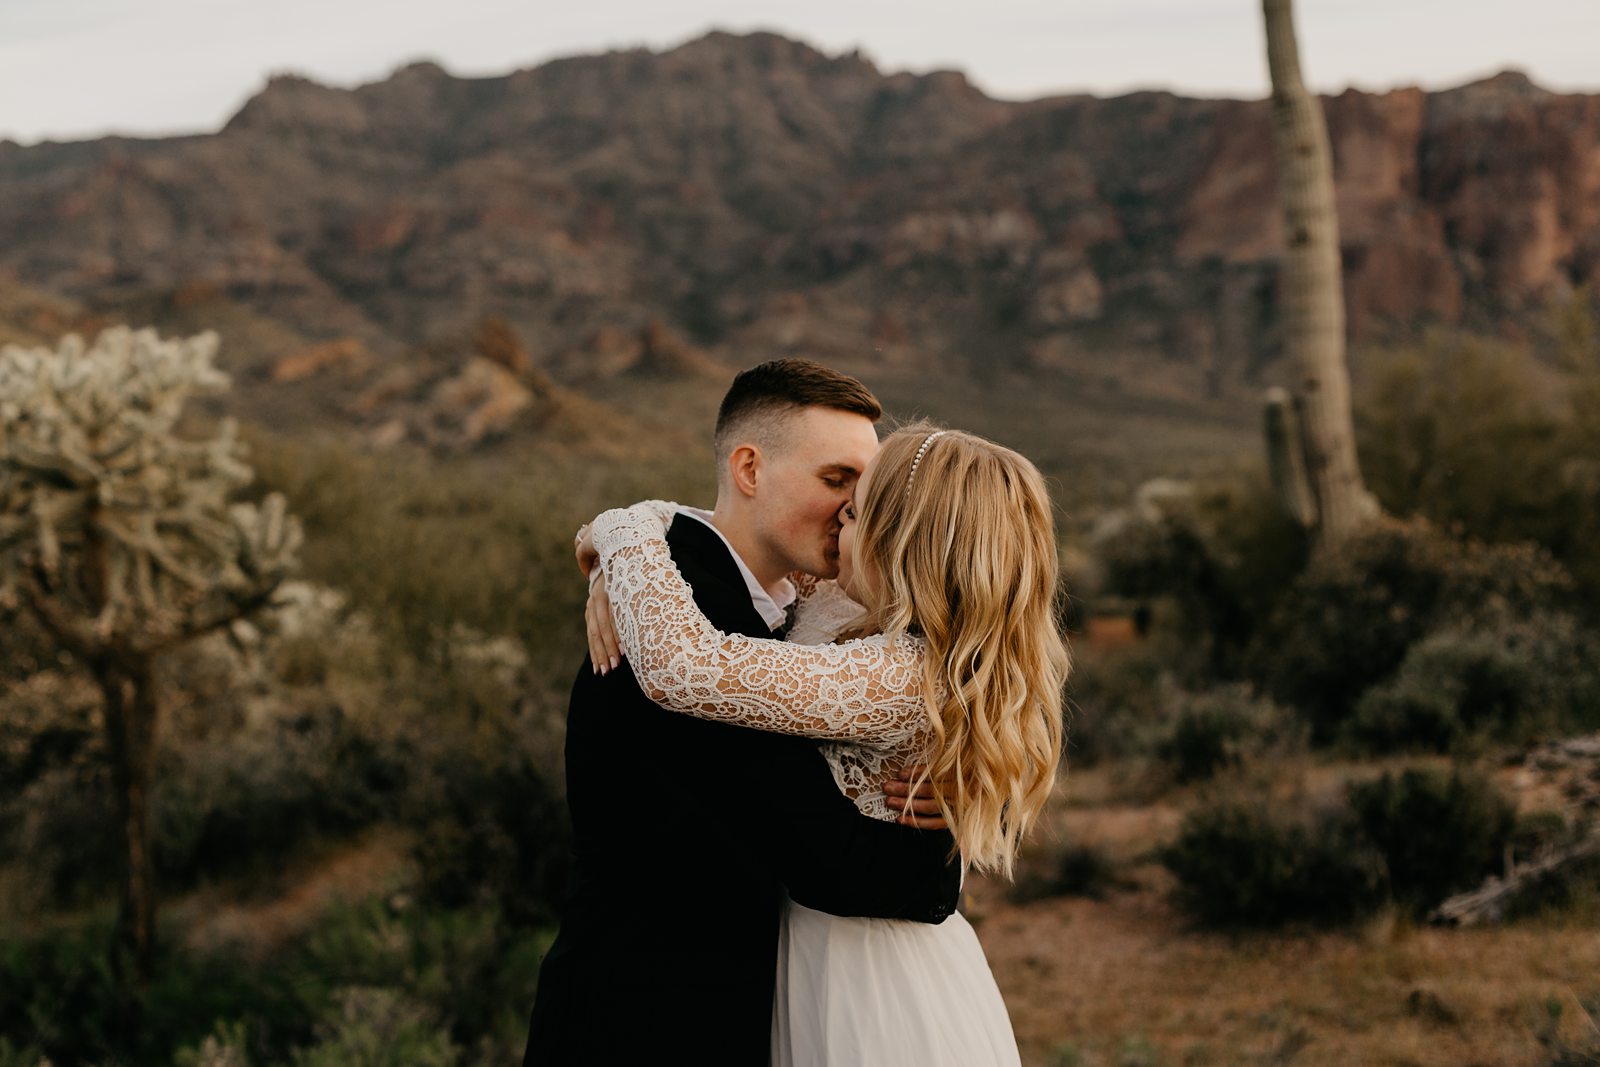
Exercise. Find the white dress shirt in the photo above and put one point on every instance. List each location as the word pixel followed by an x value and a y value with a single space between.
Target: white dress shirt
pixel 772 607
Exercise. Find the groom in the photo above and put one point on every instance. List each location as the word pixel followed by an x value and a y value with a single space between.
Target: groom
pixel 688 832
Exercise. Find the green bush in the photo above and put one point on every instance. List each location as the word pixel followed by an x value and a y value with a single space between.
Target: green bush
pixel 1114 704
pixel 473 971
pixel 376 1027
pixel 1448 684
pixel 1459 431
pixel 55 792
pixel 1438 833
pixel 1218 551
pixel 1349 620
pixel 25 649
pixel 224 801
pixel 424 544
pixel 1511 680
pixel 61 998
pixel 18 1056
pixel 1221 728
pixel 1455 430
pixel 489 828
pixel 257 765
pixel 243 801
pixel 1074 871
pixel 226 1046
pixel 383 981
pixel 1245 861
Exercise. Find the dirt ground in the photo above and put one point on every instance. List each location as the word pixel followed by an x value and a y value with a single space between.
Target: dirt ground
pixel 1124 982
pixel 1127 981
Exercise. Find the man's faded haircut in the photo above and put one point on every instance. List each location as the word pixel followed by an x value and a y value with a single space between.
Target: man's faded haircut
pixel 762 400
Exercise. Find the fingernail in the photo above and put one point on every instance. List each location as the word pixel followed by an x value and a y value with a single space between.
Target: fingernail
pixel 614 662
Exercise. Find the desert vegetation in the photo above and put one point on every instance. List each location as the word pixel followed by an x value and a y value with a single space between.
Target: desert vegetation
pixel 1277 772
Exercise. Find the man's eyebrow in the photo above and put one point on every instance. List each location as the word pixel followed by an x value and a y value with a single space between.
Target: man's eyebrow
pixel 839 468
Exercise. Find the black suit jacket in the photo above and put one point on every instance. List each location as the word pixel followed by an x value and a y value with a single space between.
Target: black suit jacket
pixel 687 833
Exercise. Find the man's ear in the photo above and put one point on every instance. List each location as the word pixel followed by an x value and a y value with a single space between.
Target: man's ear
pixel 744 469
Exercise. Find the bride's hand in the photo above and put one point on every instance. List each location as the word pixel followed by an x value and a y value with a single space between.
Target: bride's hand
pixel 920 808
pixel 583 548
pixel 605 654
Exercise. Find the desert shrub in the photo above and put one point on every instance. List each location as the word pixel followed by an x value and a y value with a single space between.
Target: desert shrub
pixel 61 998
pixel 25 648
pixel 1077 870
pixel 1219 551
pixel 225 802
pixel 1114 704
pixel 1222 728
pixel 255 769
pixel 55 785
pixel 1458 430
pixel 1454 430
pixel 472 970
pixel 61 833
pixel 379 1027
pixel 1349 620
pixel 1437 833
pixel 240 801
pixel 490 829
pixel 226 1046
pixel 1243 861
pixel 19 1056
pixel 423 544
pixel 1511 679
pixel 381 981
pixel 1444 681
pixel 1126 704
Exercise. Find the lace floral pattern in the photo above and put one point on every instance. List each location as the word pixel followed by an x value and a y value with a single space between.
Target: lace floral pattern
pixel 866 692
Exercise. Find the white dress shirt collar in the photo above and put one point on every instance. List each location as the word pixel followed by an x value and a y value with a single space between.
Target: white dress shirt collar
pixel 770 606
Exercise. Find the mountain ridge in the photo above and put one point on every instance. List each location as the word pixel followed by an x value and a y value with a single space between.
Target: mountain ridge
pixel 757 196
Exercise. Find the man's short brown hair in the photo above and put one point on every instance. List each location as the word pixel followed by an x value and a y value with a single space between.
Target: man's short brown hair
pixel 760 399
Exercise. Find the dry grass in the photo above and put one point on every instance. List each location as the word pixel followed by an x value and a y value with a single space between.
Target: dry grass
pixel 1091 975
pixel 1128 980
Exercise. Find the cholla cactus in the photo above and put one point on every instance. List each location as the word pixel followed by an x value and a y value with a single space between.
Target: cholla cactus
pixel 119 535
pixel 120 532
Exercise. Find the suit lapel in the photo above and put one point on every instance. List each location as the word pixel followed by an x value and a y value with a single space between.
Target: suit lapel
pixel 719 587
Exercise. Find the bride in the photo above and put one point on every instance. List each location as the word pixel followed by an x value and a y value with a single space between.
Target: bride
pixel 955 663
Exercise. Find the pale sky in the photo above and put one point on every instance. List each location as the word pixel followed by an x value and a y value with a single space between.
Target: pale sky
pixel 80 68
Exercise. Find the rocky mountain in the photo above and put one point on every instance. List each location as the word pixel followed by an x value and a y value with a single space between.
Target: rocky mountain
pixel 745 196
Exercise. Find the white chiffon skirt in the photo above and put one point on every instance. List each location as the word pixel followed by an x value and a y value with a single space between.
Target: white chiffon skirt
pixel 883 992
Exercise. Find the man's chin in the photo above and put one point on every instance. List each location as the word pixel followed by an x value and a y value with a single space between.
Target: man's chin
pixel 829 568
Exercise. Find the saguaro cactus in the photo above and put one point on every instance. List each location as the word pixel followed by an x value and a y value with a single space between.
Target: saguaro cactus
pixel 1312 299
pixel 119 536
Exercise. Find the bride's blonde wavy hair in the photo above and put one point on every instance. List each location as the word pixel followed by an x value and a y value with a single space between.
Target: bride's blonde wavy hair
pixel 964 550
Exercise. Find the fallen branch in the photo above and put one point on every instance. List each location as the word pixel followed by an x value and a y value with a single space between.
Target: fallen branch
pixel 1490 901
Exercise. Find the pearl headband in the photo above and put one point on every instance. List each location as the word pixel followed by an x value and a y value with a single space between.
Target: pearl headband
pixel 911 476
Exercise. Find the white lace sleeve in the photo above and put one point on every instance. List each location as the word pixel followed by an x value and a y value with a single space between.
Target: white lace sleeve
pixel 663 510
pixel 867 691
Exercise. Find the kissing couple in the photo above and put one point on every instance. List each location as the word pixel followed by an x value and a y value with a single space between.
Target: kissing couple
pixel 804 715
